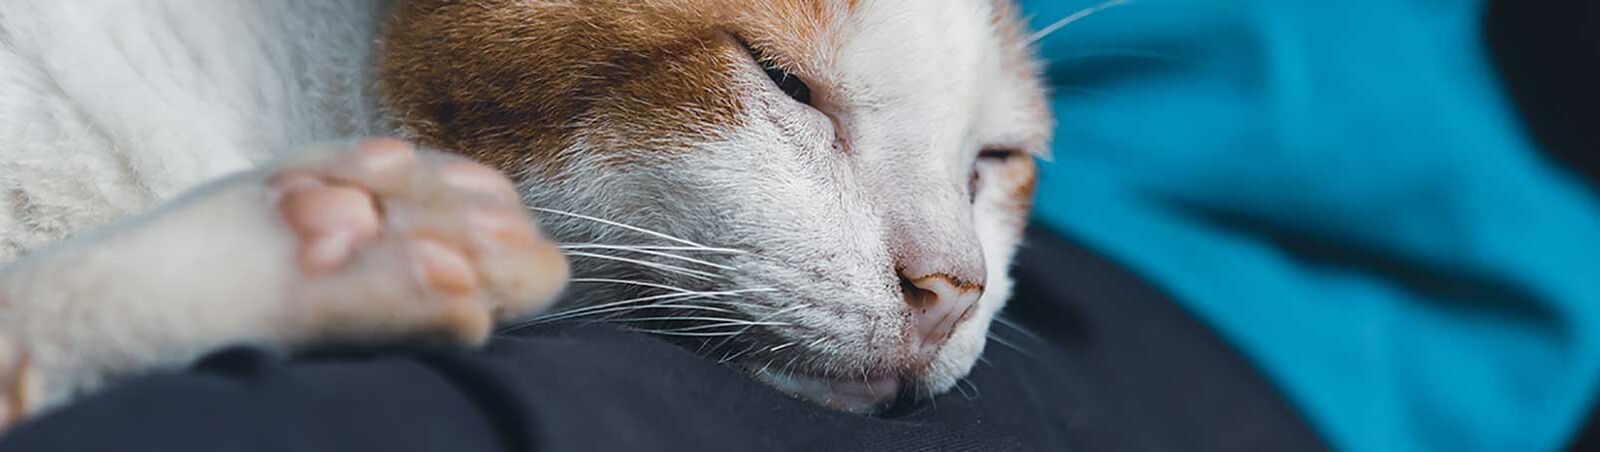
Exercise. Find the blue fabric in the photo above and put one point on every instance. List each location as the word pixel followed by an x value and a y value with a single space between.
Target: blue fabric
pixel 1343 190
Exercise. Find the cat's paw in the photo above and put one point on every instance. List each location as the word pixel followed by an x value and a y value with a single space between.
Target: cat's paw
pixel 392 241
pixel 374 243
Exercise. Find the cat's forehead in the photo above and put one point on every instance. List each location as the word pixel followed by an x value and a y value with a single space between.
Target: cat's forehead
pixel 964 59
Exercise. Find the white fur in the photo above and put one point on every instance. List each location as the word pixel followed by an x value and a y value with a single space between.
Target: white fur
pixel 107 107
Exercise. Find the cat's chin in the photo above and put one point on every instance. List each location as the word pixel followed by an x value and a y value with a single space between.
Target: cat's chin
pixel 865 395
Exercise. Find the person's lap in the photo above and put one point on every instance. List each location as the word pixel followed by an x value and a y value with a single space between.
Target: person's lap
pixel 1105 363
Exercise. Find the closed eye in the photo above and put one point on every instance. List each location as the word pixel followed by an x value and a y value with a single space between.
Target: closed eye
pixel 988 156
pixel 790 84
pixel 999 154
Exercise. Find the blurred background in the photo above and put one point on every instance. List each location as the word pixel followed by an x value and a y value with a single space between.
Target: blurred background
pixel 1388 207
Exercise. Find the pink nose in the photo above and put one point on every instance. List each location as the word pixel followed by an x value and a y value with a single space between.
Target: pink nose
pixel 938 304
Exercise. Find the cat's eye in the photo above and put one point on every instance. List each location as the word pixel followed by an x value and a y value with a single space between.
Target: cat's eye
pixel 989 155
pixel 791 85
pixel 999 154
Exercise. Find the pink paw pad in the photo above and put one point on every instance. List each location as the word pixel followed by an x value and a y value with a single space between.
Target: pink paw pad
pixel 459 227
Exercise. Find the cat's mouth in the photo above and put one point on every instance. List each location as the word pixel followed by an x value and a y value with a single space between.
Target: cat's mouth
pixel 865 394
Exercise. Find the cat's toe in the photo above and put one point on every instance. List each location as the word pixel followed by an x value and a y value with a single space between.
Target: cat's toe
pixel 393 240
pixel 330 221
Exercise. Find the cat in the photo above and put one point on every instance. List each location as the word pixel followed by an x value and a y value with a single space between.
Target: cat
pixel 828 193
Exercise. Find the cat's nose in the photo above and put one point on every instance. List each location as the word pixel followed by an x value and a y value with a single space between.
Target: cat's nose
pixel 939 302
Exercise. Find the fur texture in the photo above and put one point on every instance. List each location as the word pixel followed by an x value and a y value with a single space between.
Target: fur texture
pixel 910 160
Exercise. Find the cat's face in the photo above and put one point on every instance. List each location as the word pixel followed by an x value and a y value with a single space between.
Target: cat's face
pixel 870 160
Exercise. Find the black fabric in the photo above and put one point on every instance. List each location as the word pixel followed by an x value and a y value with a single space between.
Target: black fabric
pixel 1548 53
pixel 1158 369
pixel 1114 366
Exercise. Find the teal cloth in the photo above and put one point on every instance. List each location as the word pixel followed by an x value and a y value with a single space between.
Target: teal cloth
pixel 1343 190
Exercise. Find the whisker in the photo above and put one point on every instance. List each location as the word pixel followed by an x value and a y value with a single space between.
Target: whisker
pixel 999 340
pixel 726 358
pixel 1002 321
pixel 658 266
pixel 745 324
pixel 788 369
pixel 762 319
pixel 619 225
pixel 773 350
pixel 672 333
pixel 652 253
pixel 726 320
pixel 628 282
pixel 685 307
pixel 817 342
pixel 766 366
pixel 696 331
pixel 579 246
pixel 608 307
pixel 867 382
pixel 1074 17
pixel 603 306
pixel 975 392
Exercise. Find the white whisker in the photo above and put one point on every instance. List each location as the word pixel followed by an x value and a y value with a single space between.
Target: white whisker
pixel 579 246
pixel 726 358
pixel 656 306
pixel 630 283
pixel 1074 17
pixel 867 382
pixel 725 320
pixel 620 225
pixel 1002 341
pixel 603 306
pixel 652 253
pixel 1002 321
pixel 658 266
pixel 817 342
pixel 975 393
pixel 696 331
pixel 762 319
pixel 671 333
pixel 623 305
pixel 788 369
pixel 745 324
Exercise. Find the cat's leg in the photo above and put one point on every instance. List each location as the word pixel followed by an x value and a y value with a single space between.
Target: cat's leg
pixel 379 243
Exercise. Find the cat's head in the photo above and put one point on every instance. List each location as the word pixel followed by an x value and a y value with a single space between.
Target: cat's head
pixel 859 171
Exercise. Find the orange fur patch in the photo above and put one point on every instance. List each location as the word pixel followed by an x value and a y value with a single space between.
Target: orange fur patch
pixel 511 84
